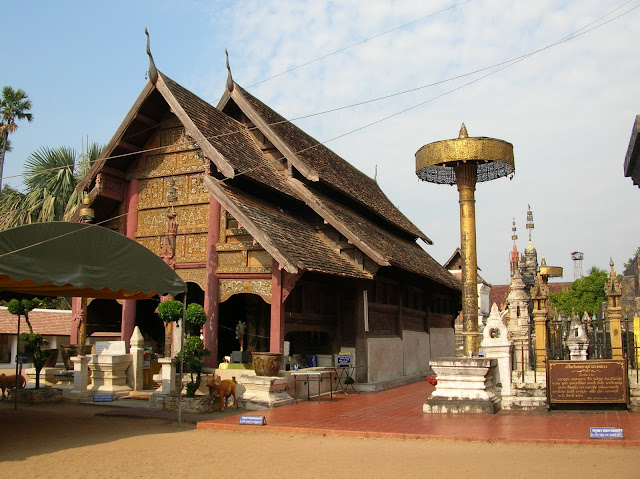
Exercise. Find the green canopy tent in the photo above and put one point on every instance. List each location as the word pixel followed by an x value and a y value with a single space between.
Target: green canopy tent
pixel 82 260
pixel 77 259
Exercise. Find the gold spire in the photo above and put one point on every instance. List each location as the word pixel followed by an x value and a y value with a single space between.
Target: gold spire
pixel 463 132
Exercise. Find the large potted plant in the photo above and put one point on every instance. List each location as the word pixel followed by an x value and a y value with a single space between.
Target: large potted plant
pixel 194 351
pixel 170 312
pixel 33 341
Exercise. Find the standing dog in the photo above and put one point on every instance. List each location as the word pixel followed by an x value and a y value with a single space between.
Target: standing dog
pixel 10 381
pixel 224 389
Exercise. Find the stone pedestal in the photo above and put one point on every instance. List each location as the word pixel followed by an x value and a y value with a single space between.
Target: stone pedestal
pixel 168 372
pixel 264 392
pixel 110 373
pixel 465 385
pixel 47 377
pixel 80 377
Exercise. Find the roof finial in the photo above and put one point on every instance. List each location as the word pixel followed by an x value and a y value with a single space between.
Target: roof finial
pixel 229 77
pixel 153 71
pixel 463 132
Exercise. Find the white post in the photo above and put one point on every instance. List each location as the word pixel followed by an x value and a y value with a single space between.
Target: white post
pixel 135 378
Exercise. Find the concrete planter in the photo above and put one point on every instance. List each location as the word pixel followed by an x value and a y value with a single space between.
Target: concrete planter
pixel 39 396
pixel 192 405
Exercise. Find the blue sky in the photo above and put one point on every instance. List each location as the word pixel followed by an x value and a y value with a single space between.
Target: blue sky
pixel 567 110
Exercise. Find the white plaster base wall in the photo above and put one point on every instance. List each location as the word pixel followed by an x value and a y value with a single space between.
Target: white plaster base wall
pixel 386 358
pixel 417 352
pixel 391 358
pixel 442 343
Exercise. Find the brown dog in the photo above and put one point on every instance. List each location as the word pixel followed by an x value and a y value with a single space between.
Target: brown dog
pixel 224 389
pixel 10 381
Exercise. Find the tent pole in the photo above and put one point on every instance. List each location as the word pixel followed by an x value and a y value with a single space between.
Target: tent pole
pixel 184 321
pixel 15 399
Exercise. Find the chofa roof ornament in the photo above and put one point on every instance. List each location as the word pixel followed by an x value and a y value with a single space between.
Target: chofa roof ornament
pixel 229 77
pixel 153 71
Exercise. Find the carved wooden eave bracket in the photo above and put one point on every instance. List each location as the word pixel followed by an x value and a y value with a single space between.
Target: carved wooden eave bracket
pixel 218 193
pixel 334 222
pixel 291 156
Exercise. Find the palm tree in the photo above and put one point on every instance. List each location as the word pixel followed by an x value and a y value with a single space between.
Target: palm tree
pixel 14 106
pixel 50 178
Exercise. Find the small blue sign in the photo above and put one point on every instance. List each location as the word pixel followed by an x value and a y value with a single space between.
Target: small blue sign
pixel 606 433
pixel 253 420
pixel 102 398
pixel 22 359
pixel 343 359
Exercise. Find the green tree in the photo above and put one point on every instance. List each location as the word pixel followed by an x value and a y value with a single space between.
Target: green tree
pixel 14 106
pixel 50 178
pixel 585 295
pixel 33 341
pixel 630 260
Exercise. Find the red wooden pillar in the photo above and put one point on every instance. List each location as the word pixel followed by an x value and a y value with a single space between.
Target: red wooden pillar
pixel 210 328
pixel 76 314
pixel 276 342
pixel 131 226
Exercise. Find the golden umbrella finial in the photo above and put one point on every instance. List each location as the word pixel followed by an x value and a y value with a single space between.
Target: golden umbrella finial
pixel 464 161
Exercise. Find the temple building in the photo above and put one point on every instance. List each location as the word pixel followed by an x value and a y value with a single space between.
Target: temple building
pixel 269 227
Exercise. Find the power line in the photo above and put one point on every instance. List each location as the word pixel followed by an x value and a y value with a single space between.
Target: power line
pixel 358 43
pixel 505 64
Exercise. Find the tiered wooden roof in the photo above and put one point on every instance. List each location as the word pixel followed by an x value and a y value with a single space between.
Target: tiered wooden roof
pixel 285 193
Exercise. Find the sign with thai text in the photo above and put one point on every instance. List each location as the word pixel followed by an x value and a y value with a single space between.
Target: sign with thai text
pixel 606 433
pixel 593 381
pixel 110 347
pixel 253 420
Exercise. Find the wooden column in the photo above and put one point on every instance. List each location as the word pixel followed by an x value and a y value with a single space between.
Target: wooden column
pixel 76 315
pixel 210 328
pixel 276 341
pixel 131 226
pixel 362 332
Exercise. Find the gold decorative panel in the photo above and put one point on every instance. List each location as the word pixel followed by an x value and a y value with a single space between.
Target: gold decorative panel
pixel 229 287
pixel 194 275
pixel 153 191
pixel 259 259
pixel 231 261
pixel 153 243
pixel 153 222
pixel 167 164
pixel 195 248
pixel 191 219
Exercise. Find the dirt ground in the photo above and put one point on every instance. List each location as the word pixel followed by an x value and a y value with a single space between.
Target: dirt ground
pixel 65 440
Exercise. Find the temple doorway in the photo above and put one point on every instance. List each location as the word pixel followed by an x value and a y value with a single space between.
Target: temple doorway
pixel 103 316
pixel 254 312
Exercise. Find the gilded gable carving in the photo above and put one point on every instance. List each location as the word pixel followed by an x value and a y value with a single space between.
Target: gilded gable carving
pixel 195 248
pixel 229 287
pixel 238 252
pixel 153 244
pixel 191 219
pixel 194 275
pixel 167 164
pixel 153 191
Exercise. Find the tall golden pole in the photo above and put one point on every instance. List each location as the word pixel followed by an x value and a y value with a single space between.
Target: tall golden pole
pixel 464 161
pixel 466 175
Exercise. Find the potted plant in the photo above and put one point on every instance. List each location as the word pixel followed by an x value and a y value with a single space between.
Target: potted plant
pixel 33 341
pixel 194 350
pixel 170 312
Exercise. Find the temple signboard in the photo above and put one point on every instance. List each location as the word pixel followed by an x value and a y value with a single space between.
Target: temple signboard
pixel 593 381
